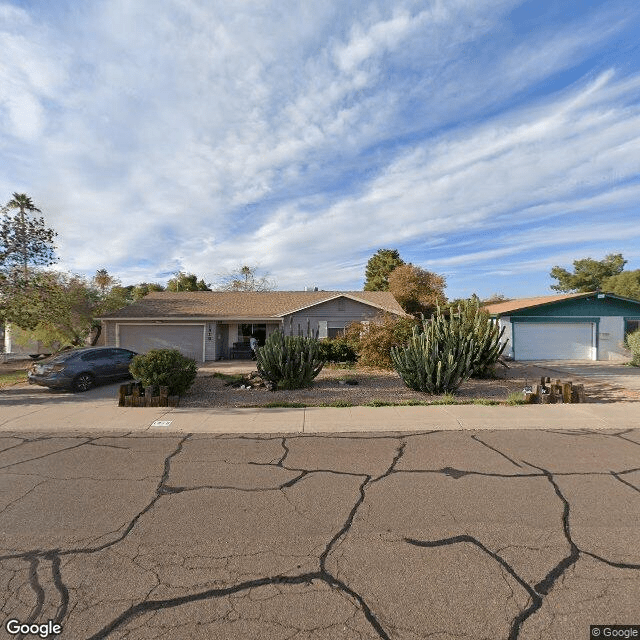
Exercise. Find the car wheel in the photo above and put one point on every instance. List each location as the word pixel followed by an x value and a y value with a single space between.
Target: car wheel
pixel 83 382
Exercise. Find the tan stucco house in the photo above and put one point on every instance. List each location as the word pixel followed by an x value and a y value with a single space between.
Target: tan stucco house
pixel 212 325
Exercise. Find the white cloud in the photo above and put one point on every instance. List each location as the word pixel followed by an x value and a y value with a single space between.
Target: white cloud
pixel 299 136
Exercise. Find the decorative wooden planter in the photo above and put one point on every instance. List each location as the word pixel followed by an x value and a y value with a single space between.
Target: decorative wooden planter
pixel 554 393
pixel 134 394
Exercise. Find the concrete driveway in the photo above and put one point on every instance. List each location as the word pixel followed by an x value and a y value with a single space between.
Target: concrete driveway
pixel 449 535
pixel 33 394
pixel 614 373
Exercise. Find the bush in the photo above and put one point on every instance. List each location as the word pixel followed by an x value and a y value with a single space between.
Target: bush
pixel 633 342
pixel 437 360
pixel 338 349
pixel 289 362
pixel 164 368
pixel 373 342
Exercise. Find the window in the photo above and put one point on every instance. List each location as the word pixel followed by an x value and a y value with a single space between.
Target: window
pixel 92 356
pixel 335 329
pixel 258 331
pixel 630 326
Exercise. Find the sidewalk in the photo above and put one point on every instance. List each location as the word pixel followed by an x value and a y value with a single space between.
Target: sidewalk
pixel 103 415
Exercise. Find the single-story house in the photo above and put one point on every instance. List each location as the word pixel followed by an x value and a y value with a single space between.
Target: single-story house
pixel 214 325
pixel 576 326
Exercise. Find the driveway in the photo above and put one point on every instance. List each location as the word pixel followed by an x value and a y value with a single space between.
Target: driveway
pixel 490 535
pixel 33 394
pixel 614 373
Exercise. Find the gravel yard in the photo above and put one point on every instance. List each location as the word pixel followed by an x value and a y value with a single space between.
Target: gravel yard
pixel 373 385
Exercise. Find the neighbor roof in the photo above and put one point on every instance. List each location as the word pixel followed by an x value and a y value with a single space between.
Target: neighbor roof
pixel 244 304
pixel 501 308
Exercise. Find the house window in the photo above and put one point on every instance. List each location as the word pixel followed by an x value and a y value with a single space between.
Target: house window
pixel 258 331
pixel 630 326
pixel 335 329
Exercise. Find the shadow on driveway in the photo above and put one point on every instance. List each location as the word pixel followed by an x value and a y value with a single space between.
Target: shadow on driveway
pixel 36 395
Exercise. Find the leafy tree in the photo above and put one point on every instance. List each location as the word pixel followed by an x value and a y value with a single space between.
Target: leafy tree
pixel 245 279
pixel 186 282
pixel 21 300
pixel 494 298
pixel 143 288
pixel 379 266
pixel 588 274
pixel 373 342
pixel 58 307
pixel 417 290
pixel 24 240
pixel 625 284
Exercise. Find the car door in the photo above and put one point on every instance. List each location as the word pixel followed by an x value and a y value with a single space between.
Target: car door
pixel 121 359
pixel 98 363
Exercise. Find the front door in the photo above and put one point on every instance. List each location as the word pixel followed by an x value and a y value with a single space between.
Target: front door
pixel 222 341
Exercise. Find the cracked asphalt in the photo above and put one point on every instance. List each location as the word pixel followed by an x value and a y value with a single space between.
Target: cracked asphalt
pixel 484 535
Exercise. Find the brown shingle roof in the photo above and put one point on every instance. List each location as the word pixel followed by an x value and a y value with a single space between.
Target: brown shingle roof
pixel 243 304
pixel 500 308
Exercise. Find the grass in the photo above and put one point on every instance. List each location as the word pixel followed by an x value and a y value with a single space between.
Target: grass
pixel 515 398
pixel 228 378
pixel 284 405
pixel 16 377
pixel 337 403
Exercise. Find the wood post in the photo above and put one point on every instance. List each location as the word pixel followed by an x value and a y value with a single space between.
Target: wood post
pixel 558 392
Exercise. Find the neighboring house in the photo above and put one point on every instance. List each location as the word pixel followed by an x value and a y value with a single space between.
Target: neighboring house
pixel 210 325
pixel 577 326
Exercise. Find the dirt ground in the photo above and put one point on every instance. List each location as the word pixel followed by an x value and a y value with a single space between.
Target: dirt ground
pixel 387 386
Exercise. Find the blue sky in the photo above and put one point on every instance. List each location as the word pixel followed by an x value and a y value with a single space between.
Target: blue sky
pixel 486 141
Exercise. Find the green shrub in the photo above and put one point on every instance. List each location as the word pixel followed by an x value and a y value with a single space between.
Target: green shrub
pixel 289 362
pixel 338 349
pixel 164 368
pixel 633 342
pixel 515 398
pixel 486 337
pixel 373 342
pixel 439 359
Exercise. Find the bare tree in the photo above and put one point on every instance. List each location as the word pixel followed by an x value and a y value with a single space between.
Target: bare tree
pixel 245 279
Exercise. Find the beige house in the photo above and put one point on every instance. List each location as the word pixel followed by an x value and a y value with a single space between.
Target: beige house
pixel 214 325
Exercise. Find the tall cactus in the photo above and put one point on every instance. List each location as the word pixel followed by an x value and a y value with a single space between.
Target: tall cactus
pixel 486 334
pixel 450 349
pixel 437 360
pixel 290 362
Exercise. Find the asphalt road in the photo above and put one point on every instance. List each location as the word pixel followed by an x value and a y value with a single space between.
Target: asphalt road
pixel 445 535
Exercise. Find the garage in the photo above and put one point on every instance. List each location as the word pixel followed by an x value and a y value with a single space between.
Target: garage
pixel 186 338
pixel 553 341
pixel 571 326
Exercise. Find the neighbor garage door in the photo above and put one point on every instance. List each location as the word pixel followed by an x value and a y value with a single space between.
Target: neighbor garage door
pixel 188 339
pixel 553 341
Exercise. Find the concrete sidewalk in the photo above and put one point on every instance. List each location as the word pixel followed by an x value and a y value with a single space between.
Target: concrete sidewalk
pixel 103 415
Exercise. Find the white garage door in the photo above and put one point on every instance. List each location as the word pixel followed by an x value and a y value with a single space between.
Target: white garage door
pixel 553 341
pixel 142 338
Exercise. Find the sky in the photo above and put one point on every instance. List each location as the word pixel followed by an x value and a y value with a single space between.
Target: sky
pixel 486 140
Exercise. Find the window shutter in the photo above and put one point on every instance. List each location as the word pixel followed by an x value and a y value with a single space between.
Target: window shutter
pixel 322 329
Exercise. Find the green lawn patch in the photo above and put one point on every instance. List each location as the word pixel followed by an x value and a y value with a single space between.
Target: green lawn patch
pixel 16 377
pixel 284 405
